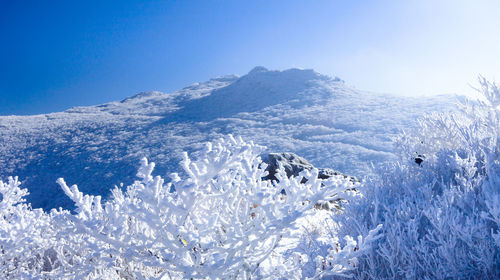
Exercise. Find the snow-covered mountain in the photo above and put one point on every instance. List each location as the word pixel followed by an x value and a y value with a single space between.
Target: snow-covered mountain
pixel 315 116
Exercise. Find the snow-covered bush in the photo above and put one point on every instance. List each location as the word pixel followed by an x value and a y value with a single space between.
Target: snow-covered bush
pixel 221 221
pixel 435 214
pixel 441 213
pixel 29 242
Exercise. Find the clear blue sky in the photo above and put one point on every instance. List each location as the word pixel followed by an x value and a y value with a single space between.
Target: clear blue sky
pixel 58 54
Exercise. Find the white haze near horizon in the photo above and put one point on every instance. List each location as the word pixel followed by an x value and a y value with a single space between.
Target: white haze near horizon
pixel 413 48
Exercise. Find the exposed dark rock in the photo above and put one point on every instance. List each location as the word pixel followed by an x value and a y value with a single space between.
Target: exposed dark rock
pixel 325 173
pixel 419 159
pixel 294 164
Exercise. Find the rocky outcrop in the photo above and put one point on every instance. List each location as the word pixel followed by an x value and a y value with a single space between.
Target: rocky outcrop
pixel 294 164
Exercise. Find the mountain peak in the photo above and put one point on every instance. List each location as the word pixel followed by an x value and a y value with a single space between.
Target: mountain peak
pixel 258 69
pixel 259 89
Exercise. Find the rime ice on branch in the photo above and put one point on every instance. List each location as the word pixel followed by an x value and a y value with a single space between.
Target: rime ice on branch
pixel 222 221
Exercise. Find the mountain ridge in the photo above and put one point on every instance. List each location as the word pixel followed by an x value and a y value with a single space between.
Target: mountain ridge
pixel 315 116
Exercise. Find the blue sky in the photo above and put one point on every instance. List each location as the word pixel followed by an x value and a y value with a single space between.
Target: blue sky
pixel 59 54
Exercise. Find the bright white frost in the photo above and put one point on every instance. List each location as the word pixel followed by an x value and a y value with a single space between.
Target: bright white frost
pixel 222 221
pixel 26 244
pixel 441 218
pixel 438 218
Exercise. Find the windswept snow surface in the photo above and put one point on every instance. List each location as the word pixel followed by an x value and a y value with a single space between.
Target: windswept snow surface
pixel 315 116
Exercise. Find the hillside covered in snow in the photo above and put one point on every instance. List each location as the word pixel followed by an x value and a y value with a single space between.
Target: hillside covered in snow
pixel 315 116
pixel 213 212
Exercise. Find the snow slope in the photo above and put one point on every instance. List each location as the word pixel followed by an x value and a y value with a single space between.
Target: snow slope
pixel 315 116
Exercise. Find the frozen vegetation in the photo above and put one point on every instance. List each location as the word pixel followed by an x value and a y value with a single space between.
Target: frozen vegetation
pixel 222 221
pixel 429 208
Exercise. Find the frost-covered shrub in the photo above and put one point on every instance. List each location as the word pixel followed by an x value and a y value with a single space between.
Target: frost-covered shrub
pixel 222 221
pixel 434 218
pixel 441 218
pixel 28 238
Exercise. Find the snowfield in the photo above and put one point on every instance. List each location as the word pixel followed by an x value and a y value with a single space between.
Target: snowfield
pixel 315 116
pixel 206 211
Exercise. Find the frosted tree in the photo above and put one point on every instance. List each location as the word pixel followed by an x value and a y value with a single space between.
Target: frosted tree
pixel 440 204
pixel 27 237
pixel 221 221
pixel 435 214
